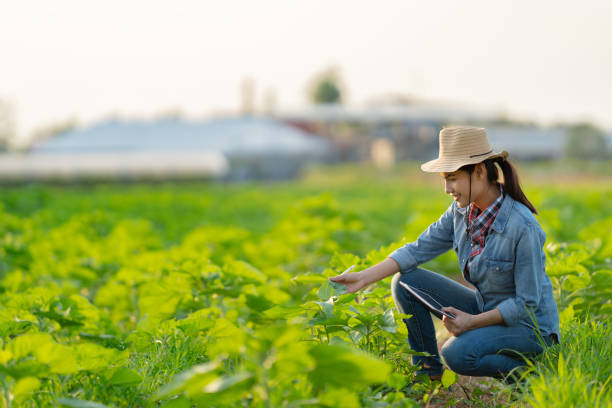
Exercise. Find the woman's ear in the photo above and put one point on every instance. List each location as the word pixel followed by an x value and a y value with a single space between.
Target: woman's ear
pixel 481 171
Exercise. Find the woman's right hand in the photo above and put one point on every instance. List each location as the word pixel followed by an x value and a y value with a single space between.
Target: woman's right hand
pixel 352 281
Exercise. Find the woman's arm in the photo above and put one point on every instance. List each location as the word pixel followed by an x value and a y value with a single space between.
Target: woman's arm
pixel 435 240
pixel 465 321
pixel 529 264
pixel 358 280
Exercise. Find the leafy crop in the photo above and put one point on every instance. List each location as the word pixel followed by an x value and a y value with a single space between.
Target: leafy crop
pixel 218 295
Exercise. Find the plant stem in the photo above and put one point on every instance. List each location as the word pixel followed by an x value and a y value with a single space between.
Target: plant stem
pixel 267 388
pixel 7 394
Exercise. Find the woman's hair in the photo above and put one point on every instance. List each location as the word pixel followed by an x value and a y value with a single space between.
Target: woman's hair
pixel 511 180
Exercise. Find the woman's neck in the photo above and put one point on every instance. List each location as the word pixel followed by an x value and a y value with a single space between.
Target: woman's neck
pixel 488 197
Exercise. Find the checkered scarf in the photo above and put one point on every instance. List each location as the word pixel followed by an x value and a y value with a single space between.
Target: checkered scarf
pixel 479 223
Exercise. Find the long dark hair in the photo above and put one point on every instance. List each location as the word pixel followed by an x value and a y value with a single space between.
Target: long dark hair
pixel 511 180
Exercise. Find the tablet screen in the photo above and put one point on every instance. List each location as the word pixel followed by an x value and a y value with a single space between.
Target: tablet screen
pixel 427 300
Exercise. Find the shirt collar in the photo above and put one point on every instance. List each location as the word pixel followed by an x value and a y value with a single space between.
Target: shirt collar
pixel 501 219
pixel 493 207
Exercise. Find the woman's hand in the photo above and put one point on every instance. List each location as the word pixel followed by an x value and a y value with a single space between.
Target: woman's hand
pixel 461 323
pixel 352 281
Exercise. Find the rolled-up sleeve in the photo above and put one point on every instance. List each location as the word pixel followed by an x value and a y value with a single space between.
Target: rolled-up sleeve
pixel 435 240
pixel 529 262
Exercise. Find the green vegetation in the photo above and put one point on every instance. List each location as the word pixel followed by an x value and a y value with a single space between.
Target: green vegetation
pixel 326 87
pixel 586 141
pixel 217 295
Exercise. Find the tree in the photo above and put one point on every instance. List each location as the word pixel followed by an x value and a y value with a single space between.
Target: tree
pixel 586 141
pixel 326 87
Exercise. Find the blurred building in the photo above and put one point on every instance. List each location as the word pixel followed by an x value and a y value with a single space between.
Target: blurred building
pixel 251 147
pixel 388 133
pixel 403 131
pixel 529 142
pixel 230 149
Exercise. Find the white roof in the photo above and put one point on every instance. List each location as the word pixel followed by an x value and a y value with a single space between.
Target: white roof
pixel 232 137
pixel 68 166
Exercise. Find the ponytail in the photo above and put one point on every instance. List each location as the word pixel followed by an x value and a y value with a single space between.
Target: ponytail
pixel 511 180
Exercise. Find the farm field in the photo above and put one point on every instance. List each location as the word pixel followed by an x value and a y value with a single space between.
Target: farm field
pixel 208 294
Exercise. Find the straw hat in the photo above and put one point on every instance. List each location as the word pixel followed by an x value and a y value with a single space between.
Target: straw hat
pixel 461 145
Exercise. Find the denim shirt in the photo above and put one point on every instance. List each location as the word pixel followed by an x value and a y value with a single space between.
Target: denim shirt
pixel 509 274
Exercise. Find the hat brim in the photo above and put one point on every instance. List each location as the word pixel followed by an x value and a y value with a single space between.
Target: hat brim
pixel 448 165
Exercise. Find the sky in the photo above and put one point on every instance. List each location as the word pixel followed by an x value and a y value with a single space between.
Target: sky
pixel 546 61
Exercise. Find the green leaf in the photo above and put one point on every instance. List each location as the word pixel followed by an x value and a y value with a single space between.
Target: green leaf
pixel 65 310
pixel 329 288
pixel 339 397
pixel 397 381
pixel 341 366
pixel 339 288
pixel 25 386
pixel 59 358
pixel 199 374
pixel 224 338
pixel 326 290
pixel 308 279
pixel 327 307
pixel 573 283
pixel 14 328
pixel 223 390
pixel 332 323
pixel 602 279
pixel 366 318
pixel 159 299
pixel 180 402
pixel 343 260
pixel 599 229
pixel 346 299
pixel 77 403
pixel 258 303
pixel 106 340
pixel 283 312
pixel 357 334
pixel 388 321
pixel 93 357
pixel 225 383
pixel 244 271
pixel 566 315
pixel 25 368
pixel 124 376
pixel 63 321
pixel 448 378
pixel 5 356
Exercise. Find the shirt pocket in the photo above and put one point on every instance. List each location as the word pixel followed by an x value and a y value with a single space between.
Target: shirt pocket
pixel 500 273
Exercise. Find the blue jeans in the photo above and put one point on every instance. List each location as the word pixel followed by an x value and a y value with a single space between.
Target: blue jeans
pixel 487 351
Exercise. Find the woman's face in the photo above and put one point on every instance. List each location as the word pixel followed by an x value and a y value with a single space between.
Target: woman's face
pixel 457 184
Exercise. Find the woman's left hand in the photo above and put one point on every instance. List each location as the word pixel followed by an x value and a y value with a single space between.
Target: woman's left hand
pixel 461 323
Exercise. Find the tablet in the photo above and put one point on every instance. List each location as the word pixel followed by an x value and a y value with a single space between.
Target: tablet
pixel 421 297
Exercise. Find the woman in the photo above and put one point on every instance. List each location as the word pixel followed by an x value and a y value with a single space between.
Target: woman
pixel 492 228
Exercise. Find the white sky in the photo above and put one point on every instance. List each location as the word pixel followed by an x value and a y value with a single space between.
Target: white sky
pixel 542 60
